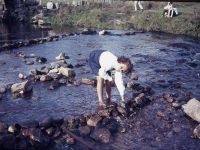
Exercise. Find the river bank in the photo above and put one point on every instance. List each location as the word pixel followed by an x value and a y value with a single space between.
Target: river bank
pixel 121 15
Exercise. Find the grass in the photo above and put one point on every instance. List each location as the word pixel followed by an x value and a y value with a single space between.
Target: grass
pixel 121 15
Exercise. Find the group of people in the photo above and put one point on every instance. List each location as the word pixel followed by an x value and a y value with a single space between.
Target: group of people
pixel 169 10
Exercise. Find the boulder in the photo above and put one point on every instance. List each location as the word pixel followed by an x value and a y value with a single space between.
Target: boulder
pixel 21 76
pixel 55 75
pixel 38 136
pixel 196 132
pixel 192 109
pixel 67 72
pixel 22 88
pixel 50 131
pixel 68 139
pixel 55 70
pixel 41 59
pixel 102 134
pixel 94 120
pixel 104 32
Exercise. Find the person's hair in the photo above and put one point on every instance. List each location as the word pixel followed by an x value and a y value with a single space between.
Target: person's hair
pixel 127 62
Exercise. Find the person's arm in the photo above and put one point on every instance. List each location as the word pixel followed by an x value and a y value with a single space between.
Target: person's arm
pixel 119 83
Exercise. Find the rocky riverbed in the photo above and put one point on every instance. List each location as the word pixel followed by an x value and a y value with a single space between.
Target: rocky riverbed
pixel 61 106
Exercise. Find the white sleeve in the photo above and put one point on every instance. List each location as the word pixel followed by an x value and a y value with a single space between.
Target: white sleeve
pixel 119 83
pixel 103 74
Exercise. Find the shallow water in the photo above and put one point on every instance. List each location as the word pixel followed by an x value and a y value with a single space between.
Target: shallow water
pixel 159 64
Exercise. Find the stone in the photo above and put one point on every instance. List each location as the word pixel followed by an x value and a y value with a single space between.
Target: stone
pixel 138 99
pixel 111 124
pixel 104 113
pixel 104 32
pixel 55 75
pixel 44 78
pixel 61 56
pixel 176 104
pixel 22 76
pixel 88 31
pixel 67 72
pixel 134 76
pixel 192 109
pixel 35 72
pixel 50 131
pixel 41 60
pixel 2 90
pixel 102 134
pixel 23 87
pixel 38 136
pixel 94 120
pixel 45 70
pixel 55 70
pixel 122 110
pixel 50 5
pixel 196 132
pixel 57 133
pixel 62 81
pixel 84 130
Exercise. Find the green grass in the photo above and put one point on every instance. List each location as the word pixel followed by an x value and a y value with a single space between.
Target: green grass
pixel 122 16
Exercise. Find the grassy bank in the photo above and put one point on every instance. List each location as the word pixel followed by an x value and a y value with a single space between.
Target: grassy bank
pixel 121 15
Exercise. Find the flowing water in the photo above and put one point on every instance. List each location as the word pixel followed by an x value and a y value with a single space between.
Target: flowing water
pixel 167 63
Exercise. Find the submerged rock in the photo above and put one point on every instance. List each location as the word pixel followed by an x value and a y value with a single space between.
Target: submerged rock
pixel 196 132
pixel 21 76
pixel 84 130
pixel 41 60
pixel 192 109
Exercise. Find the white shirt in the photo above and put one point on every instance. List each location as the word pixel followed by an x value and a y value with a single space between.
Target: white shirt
pixel 108 61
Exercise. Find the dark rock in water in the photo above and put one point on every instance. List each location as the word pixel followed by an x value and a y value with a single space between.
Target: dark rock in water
pixel 50 131
pixel 3 128
pixel 134 76
pixel 88 32
pixel 94 120
pixel 35 72
pixel 129 33
pixel 84 130
pixel 82 121
pixel 44 78
pixel 29 62
pixel 193 64
pixel 104 32
pixel 68 139
pixel 38 136
pixel 7 141
pixel 70 66
pixel 45 70
pixel 196 132
pixel 102 134
pixel 54 85
pixel 181 45
pixel 14 128
pixel 46 122
pixel 111 124
pixel 41 60
pixel 79 65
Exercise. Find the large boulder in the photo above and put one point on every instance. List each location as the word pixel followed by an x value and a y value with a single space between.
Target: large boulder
pixel 192 109
pixel 22 88
pixel 67 72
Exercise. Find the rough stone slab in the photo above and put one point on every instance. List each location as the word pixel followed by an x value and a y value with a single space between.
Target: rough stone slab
pixel 192 109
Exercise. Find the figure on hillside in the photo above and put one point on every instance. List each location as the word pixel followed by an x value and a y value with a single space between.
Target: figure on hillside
pixel 170 10
pixel 102 64
pixel 139 4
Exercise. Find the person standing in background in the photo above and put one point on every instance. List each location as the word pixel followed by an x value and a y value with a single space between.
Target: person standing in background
pixel 139 4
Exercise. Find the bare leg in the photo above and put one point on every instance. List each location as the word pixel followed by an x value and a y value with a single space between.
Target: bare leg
pixel 108 91
pixel 100 90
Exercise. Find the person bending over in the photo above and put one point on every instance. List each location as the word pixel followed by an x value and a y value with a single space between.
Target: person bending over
pixel 102 63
